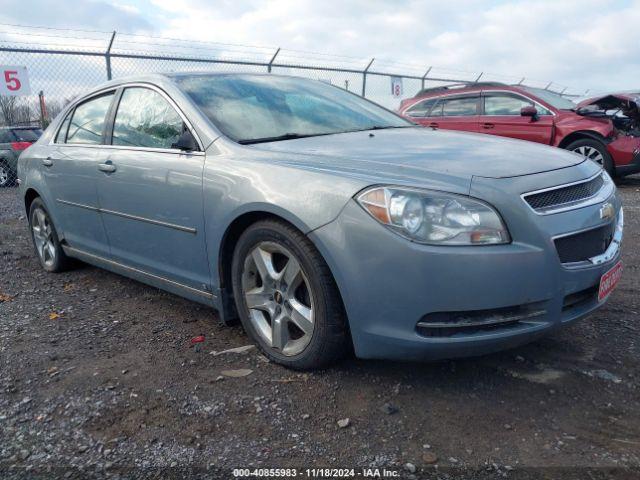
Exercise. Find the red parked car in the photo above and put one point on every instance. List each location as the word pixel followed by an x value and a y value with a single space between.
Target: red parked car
pixel 605 129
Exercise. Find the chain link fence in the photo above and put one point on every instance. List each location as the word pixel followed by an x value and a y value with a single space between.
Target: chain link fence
pixel 62 64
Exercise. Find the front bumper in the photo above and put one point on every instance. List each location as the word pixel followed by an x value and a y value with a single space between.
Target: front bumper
pixel 630 168
pixel 391 287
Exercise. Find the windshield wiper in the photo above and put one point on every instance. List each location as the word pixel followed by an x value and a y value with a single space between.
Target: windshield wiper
pixel 293 135
pixel 384 127
pixel 277 138
pixel 380 127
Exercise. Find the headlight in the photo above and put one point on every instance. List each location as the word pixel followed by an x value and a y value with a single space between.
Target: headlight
pixel 433 217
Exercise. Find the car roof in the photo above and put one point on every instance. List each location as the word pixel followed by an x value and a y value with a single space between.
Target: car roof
pixel 470 88
pixel 458 87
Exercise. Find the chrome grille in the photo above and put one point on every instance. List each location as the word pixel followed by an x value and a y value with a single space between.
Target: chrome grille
pixel 564 195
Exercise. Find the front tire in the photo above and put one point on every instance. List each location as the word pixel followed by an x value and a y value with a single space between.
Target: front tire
pixel 286 297
pixel 593 150
pixel 45 239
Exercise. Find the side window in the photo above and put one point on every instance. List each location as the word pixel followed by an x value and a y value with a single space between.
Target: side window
pixel 145 119
pixel 505 104
pixel 87 121
pixel 27 134
pixel 61 136
pixel 436 110
pixel 421 109
pixel 5 136
pixel 460 107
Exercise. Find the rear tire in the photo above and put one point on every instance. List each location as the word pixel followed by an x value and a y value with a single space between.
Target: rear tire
pixel 45 239
pixel 296 317
pixel 593 150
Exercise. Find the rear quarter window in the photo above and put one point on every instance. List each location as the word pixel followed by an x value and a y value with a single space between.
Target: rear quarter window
pixel 436 110
pixel 61 136
pixel 421 109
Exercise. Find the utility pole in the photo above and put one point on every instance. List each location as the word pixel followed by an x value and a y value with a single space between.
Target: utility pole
pixel 44 120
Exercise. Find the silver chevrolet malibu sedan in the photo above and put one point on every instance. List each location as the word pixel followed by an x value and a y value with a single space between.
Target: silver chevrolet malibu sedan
pixel 322 221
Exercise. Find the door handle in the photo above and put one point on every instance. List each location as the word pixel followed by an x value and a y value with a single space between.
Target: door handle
pixel 487 126
pixel 107 167
pixel 433 124
pixel 47 162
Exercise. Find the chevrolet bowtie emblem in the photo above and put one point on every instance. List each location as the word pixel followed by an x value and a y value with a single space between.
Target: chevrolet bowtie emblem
pixel 607 211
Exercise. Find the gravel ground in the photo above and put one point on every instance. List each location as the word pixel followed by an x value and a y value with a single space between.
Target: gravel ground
pixel 98 379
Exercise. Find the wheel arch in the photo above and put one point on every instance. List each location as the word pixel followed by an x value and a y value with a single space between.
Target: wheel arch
pixel 582 134
pixel 230 238
pixel 29 196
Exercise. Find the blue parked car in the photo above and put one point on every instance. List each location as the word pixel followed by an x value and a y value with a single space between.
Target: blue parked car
pixel 321 220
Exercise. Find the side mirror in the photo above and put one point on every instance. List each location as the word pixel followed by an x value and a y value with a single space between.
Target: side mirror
pixel 186 142
pixel 529 111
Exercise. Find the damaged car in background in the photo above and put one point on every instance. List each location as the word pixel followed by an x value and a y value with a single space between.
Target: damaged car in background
pixel 621 112
pixel 603 129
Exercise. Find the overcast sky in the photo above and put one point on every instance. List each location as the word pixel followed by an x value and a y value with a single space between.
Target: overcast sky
pixel 586 44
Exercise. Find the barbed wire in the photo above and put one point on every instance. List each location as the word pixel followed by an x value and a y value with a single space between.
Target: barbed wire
pixel 41 27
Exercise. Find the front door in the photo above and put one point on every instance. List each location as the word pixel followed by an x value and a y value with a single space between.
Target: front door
pixel 71 172
pixel 502 117
pixel 150 192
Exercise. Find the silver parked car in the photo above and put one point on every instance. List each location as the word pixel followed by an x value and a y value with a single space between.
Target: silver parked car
pixel 321 220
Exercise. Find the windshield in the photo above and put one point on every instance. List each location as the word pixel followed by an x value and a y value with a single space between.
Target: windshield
pixel 553 99
pixel 258 108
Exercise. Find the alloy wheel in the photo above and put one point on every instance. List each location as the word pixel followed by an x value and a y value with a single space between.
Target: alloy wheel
pixel 590 153
pixel 43 236
pixel 278 296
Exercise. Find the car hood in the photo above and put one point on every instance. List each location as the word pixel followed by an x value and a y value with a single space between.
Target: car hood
pixel 628 102
pixel 416 152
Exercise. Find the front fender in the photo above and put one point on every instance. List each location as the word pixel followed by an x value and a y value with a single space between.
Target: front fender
pixel 568 130
pixel 234 186
pixel 267 208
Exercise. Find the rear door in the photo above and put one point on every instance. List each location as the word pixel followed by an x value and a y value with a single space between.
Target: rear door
pixel 458 112
pixel 150 191
pixel 501 116
pixel 70 168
